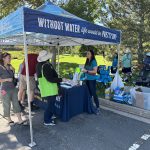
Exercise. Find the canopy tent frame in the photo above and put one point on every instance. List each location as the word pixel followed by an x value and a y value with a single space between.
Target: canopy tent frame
pixel 118 51
pixel 27 26
pixel 28 89
pixel 11 41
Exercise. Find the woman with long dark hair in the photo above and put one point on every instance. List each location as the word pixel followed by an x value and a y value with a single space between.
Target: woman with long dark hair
pixel 90 70
pixel 8 90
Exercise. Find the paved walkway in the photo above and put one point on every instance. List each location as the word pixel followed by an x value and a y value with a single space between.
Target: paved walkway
pixel 108 131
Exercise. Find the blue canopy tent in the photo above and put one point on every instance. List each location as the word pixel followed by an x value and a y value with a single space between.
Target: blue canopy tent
pixel 51 25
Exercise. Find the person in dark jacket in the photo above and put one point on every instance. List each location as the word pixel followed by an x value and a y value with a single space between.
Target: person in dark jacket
pixel 48 84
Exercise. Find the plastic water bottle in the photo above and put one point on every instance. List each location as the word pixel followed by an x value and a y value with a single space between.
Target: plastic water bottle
pixel 107 93
pixel 130 100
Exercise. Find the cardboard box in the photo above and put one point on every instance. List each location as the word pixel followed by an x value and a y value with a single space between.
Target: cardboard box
pixel 139 99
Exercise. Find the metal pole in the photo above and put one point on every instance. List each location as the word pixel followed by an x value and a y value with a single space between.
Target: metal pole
pixel 28 88
pixel 58 58
pixel 118 50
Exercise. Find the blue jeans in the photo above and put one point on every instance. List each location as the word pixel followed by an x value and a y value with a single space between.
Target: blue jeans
pixel 49 109
pixel 91 84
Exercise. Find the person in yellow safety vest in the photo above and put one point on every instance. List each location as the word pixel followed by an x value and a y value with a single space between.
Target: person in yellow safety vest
pixel 47 80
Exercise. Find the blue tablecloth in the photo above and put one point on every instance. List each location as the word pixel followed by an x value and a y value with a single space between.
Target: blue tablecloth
pixel 71 102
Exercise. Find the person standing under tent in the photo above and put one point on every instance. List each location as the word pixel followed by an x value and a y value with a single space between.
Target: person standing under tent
pixel 23 95
pixel 20 69
pixel 32 62
pixel 90 70
pixel 114 64
pixel 147 61
pixel 8 90
pixel 48 84
pixel 127 63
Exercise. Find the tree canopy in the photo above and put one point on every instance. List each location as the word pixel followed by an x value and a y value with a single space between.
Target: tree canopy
pixel 132 17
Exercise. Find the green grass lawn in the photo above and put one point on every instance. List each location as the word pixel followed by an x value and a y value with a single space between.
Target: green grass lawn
pixel 67 63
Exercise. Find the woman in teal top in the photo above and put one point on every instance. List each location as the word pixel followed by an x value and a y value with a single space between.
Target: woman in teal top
pixel 90 70
pixel 127 62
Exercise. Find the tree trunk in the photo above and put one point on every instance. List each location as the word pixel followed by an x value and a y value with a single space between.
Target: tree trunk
pixel 53 50
pixel 140 48
pixel 140 35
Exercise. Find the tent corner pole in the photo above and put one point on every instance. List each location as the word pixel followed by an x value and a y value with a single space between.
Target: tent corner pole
pixel 28 88
pixel 118 51
pixel 58 48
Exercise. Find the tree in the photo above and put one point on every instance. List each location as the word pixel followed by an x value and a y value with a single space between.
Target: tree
pixel 53 51
pixel 83 49
pixel 133 18
pixel 8 6
pixel 85 9
pixel 89 10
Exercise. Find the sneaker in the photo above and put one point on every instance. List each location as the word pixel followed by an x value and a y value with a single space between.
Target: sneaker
pixel 11 123
pixel 21 106
pixel 33 107
pixel 98 111
pixel 54 117
pixel 50 124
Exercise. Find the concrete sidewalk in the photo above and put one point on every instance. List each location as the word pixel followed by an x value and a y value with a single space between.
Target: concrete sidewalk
pixel 126 108
pixel 108 131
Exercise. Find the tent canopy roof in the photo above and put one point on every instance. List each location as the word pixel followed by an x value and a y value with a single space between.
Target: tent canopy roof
pixel 51 25
pixel 51 8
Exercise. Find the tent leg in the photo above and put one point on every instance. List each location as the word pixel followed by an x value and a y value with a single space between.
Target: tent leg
pixel 28 88
pixel 118 50
pixel 58 59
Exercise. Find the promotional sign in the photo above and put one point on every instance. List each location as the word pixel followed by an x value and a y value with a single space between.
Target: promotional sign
pixel 41 22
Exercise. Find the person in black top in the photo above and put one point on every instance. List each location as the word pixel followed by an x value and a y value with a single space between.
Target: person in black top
pixel 48 71
pixel 51 76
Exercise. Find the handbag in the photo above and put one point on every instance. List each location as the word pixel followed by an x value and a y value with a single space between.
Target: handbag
pixel 15 80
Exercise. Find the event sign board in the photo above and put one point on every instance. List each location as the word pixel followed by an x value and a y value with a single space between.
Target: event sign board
pixel 41 22
pixel 34 21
